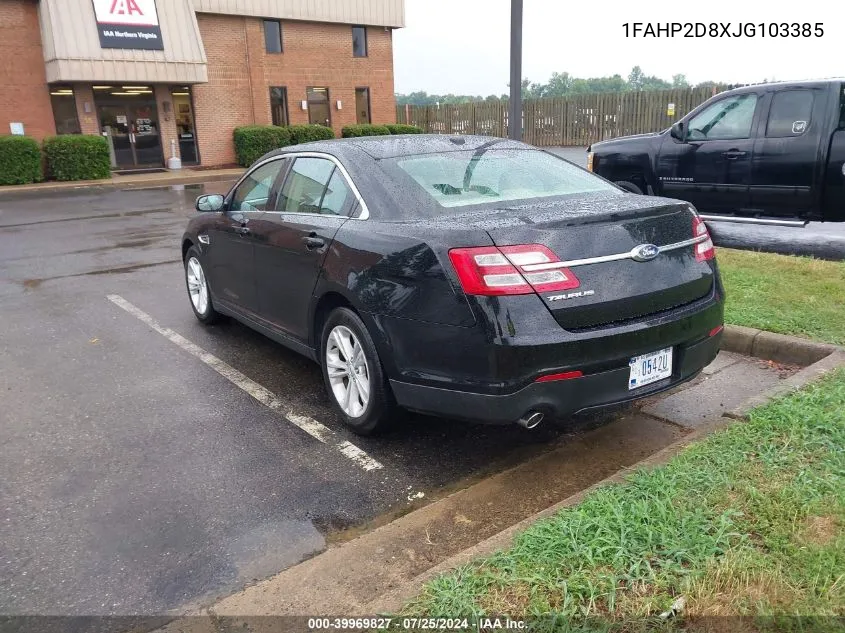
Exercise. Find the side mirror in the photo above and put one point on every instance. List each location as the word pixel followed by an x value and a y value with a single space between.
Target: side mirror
pixel 677 131
pixel 211 203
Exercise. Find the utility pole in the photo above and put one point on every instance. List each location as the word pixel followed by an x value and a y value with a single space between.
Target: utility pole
pixel 515 103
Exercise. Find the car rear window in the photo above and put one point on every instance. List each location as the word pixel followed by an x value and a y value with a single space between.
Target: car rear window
pixel 458 179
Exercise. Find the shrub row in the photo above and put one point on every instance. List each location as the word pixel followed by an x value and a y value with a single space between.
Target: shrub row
pixel 77 157
pixel 20 160
pixel 67 157
pixel 403 128
pixel 364 129
pixel 368 129
pixel 253 141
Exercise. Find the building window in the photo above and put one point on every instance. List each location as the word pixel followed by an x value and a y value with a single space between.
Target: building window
pixel 64 110
pixel 318 106
pixel 362 105
pixel 273 36
pixel 279 105
pixel 359 41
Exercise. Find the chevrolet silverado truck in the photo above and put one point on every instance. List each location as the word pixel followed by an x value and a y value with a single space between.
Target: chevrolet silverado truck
pixel 769 153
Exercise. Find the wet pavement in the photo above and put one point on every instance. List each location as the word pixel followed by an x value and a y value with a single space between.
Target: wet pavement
pixel 825 240
pixel 134 477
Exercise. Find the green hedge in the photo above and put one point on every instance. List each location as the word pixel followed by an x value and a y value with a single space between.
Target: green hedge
pixel 253 141
pixel 308 133
pixel 364 129
pixel 77 157
pixel 20 160
pixel 401 128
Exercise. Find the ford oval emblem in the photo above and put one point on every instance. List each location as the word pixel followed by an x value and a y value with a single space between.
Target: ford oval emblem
pixel 645 252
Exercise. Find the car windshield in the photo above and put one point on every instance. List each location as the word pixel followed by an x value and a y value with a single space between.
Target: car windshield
pixel 457 179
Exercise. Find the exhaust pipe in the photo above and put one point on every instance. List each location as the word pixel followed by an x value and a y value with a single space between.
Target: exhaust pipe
pixel 530 420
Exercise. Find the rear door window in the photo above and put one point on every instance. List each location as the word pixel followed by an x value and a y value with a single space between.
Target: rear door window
pixel 305 186
pixel 790 113
pixel 337 197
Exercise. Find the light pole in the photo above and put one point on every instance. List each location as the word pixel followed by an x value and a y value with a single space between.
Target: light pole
pixel 515 103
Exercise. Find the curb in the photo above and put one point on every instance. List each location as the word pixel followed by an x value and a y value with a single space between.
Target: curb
pixel 780 348
pixel 392 601
pixel 112 185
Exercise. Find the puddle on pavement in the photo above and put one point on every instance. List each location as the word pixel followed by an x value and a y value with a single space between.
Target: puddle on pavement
pixel 265 549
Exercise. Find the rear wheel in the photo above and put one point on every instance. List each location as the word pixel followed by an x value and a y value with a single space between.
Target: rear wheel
pixel 629 186
pixel 198 291
pixel 353 374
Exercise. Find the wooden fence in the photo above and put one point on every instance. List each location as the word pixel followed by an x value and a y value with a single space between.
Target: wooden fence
pixel 578 120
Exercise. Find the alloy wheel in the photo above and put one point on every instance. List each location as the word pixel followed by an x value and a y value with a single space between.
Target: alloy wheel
pixel 197 285
pixel 348 370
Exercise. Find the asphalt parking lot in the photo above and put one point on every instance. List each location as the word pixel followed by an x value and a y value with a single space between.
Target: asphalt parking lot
pixel 139 476
pixel 149 463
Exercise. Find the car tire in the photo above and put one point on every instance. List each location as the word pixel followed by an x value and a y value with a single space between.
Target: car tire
pixel 349 361
pixel 629 186
pixel 199 292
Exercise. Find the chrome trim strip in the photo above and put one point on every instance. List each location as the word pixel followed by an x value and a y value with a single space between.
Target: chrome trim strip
pixel 610 258
pixel 765 221
pixel 365 211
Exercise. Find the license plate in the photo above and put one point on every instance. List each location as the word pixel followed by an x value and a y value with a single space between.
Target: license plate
pixel 650 368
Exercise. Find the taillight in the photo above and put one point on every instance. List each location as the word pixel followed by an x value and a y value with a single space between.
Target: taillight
pixel 491 271
pixel 703 250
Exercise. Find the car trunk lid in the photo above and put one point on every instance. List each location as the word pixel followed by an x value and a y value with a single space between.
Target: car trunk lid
pixel 609 252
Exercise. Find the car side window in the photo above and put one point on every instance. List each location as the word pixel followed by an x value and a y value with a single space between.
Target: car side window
pixel 337 195
pixel 790 113
pixel 253 194
pixel 305 186
pixel 842 109
pixel 729 118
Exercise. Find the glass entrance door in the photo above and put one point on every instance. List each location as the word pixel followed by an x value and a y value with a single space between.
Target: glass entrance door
pixel 184 108
pixel 130 120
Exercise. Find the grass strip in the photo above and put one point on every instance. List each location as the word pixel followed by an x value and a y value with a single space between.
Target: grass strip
pixel 800 296
pixel 748 522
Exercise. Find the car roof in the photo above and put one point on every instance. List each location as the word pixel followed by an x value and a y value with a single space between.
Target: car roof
pixel 378 147
pixel 782 84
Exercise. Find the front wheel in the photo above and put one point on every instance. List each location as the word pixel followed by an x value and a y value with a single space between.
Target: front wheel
pixel 198 292
pixel 353 374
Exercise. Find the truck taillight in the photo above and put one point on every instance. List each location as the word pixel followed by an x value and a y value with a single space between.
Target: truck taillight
pixel 492 271
pixel 703 250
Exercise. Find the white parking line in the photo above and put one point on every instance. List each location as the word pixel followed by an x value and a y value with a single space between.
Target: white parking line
pixel 316 430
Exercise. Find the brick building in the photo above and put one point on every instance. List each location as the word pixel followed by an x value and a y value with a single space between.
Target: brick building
pixel 175 77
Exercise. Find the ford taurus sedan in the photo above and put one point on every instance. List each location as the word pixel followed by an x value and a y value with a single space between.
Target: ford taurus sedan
pixel 467 277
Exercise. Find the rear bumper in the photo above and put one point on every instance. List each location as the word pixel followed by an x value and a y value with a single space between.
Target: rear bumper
pixel 555 399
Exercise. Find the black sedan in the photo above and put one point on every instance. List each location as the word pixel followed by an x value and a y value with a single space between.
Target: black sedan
pixel 468 277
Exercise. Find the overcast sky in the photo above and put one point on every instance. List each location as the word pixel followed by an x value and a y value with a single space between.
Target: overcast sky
pixel 462 46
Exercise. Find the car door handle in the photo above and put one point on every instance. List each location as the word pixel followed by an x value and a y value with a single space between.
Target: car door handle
pixel 313 243
pixel 242 230
pixel 733 154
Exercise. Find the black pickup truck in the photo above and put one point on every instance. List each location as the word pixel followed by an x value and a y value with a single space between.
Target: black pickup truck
pixel 770 151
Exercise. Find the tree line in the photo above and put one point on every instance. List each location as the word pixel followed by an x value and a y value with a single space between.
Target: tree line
pixel 561 85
